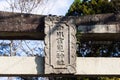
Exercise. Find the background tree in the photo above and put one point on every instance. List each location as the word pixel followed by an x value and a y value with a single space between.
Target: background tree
pixel 116 4
pixel 88 7
pixel 26 6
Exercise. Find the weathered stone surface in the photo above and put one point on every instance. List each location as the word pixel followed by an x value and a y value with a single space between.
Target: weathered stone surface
pixel 100 37
pixel 19 22
pixel 97 19
pixel 98 66
pixel 22 36
pixel 110 28
pixel 12 24
pixel 60 46
pixel 29 22
pixel 84 66
pixel 21 66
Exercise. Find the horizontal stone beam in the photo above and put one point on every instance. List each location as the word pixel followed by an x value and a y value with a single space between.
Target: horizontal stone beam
pixel 104 28
pixel 34 66
pixel 109 18
pixel 99 37
pixel 19 22
pixel 29 26
pixel 99 32
pixel 22 35
pixel 98 66
pixel 17 66
pixel 41 36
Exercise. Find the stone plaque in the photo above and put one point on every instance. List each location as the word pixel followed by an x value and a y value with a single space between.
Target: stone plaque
pixel 60 46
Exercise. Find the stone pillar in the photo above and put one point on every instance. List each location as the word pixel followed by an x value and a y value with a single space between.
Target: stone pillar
pixel 60 45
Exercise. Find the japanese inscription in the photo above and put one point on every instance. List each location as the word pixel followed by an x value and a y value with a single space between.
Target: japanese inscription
pixel 60 46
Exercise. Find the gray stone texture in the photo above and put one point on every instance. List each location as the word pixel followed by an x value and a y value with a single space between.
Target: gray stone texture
pixel 60 46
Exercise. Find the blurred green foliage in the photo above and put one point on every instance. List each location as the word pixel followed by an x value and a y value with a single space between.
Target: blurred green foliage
pixel 89 7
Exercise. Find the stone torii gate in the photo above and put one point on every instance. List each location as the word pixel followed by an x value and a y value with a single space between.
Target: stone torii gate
pixel 59 32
